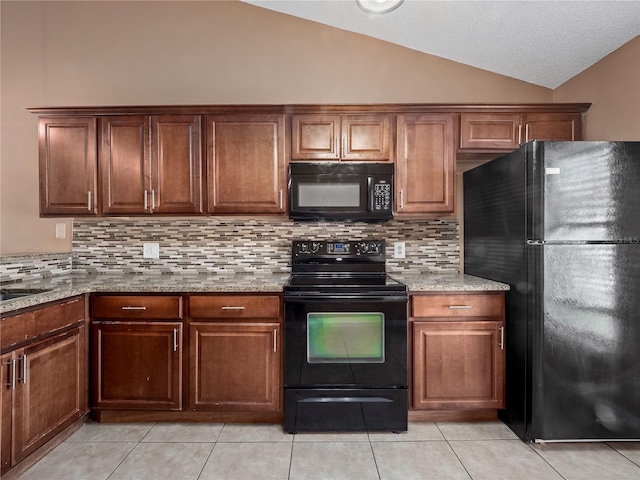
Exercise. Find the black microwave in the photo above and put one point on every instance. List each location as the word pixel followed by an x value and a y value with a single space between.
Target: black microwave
pixel 341 191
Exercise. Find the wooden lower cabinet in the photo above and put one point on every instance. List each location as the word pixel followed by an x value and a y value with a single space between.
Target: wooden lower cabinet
pixel 137 365
pixel 457 351
pixel 43 382
pixel 457 365
pixel 234 366
pixel 235 354
pixel 222 362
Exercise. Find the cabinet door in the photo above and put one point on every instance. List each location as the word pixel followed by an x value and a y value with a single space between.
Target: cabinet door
pixel 489 131
pixel 366 137
pixel 553 126
pixel 125 165
pixel 315 137
pixel 50 391
pixel 234 366
pixel 245 161
pixel 458 365
pixel 137 365
pixel 7 376
pixel 425 165
pixel 176 164
pixel 68 164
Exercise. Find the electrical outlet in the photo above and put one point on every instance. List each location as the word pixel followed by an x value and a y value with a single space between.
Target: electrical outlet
pixel 61 231
pixel 151 250
pixel 398 250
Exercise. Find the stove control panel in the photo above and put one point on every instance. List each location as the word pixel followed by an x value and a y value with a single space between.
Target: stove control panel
pixel 341 249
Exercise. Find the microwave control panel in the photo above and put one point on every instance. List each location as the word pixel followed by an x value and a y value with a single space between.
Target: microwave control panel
pixel 381 196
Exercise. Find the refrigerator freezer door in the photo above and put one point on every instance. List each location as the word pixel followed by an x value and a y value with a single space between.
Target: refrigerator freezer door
pixel 585 191
pixel 585 355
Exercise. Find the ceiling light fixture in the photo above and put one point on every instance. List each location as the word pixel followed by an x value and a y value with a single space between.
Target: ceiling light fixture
pixel 378 6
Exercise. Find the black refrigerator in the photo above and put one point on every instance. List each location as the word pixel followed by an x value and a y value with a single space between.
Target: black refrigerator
pixel 560 223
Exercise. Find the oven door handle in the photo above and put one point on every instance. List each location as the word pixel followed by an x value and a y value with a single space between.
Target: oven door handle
pixel 341 298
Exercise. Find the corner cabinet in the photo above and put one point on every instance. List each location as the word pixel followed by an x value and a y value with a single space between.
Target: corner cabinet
pixel 458 351
pixel 136 352
pixel 44 376
pixel 68 166
pixel 235 357
pixel 425 166
pixel 498 132
pixel 342 137
pixel 246 164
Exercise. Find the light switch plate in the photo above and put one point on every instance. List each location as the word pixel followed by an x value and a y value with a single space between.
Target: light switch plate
pixel 151 250
pixel 398 250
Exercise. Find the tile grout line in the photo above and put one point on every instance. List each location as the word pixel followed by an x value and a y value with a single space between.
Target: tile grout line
pixel 127 455
pixel 452 449
pixel 608 444
pixel 373 454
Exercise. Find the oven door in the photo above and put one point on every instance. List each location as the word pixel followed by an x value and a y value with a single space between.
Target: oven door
pixel 339 341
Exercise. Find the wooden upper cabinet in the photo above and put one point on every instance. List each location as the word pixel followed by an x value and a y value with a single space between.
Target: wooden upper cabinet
pixel 151 164
pixel 489 131
pixel 505 131
pixel 341 137
pixel 425 164
pixel 553 126
pixel 125 164
pixel 246 164
pixel 68 166
pixel 176 164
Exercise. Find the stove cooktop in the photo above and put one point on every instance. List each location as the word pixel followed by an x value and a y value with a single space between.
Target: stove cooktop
pixel 319 283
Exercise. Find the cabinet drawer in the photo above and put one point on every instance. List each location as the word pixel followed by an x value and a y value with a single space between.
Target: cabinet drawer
pixel 234 306
pixel 463 305
pixel 136 306
pixel 24 327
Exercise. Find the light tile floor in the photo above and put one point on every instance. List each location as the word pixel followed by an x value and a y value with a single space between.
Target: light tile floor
pixel 428 451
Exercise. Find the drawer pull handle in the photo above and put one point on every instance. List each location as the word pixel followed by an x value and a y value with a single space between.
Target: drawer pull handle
pixel 233 308
pixel 134 308
pixel 460 306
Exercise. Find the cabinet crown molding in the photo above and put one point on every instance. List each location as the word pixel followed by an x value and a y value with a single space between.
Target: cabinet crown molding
pixel 308 108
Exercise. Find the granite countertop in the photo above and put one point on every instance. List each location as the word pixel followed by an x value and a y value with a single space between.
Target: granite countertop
pixel 63 286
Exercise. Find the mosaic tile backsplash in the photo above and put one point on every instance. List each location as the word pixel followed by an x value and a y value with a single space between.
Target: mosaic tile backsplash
pixel 219 245
pixel 16 268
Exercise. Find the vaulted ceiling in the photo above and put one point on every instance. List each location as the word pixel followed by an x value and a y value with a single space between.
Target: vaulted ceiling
pixel 542 42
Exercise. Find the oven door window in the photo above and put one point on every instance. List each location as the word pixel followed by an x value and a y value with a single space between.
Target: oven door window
pixel 350 337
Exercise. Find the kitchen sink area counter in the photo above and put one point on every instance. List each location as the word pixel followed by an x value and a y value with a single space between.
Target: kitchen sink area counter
pixel 63 286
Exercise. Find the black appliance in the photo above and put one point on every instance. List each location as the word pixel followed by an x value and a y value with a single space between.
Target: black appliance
pixel 345 340
pixel 560 223
pixel 341 191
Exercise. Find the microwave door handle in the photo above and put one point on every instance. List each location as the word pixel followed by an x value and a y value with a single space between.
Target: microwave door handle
pixel 370 194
